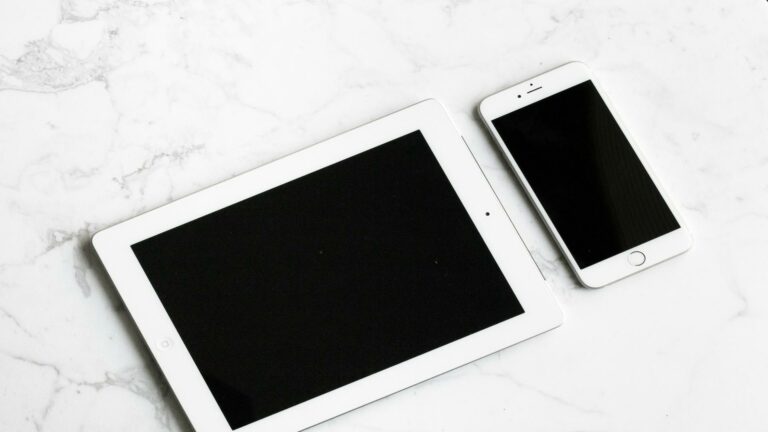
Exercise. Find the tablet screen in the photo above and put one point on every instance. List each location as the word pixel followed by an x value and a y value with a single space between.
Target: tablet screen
pixel 326 279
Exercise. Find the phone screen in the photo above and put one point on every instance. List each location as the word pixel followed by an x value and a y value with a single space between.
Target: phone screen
pixel 585 174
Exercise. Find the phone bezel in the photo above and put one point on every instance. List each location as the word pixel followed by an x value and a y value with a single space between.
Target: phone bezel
pixel 541 87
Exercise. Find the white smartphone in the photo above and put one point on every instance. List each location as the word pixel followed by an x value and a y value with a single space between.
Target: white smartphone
pixel 584 174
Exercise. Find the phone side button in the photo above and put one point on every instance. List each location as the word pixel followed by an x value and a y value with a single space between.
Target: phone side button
pixel 636 258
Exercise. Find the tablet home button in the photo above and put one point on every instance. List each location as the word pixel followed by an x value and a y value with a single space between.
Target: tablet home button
pixel 636 258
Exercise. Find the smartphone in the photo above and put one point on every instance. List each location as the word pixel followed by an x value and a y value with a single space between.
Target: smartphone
pixel 584 175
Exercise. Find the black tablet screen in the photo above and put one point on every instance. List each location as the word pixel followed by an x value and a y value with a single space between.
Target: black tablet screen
pixel 327 279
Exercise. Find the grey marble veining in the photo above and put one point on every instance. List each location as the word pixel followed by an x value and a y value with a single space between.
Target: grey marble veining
pixel 109 108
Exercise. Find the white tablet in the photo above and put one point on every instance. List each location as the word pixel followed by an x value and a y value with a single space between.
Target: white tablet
pixel 328 279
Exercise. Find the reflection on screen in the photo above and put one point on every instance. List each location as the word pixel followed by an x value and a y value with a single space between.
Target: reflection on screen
pixel 585 174
pixel 326 279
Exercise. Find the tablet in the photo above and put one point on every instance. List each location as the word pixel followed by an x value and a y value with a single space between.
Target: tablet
pixel 329 278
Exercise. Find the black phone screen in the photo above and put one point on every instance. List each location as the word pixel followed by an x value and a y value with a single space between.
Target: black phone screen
pixel 585 173
pixel 326 279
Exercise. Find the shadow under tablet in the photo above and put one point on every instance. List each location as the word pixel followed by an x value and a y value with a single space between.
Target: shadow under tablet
pixel 326 279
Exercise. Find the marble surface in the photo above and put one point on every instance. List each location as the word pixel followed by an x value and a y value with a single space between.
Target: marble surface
pixel 109 108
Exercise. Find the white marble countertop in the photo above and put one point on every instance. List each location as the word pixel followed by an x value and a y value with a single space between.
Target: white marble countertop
pixel 109 108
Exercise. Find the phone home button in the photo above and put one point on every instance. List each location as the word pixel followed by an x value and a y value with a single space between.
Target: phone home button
pixel 636 258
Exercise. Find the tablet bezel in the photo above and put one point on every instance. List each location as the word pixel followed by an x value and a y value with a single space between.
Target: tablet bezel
pixel 113 246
